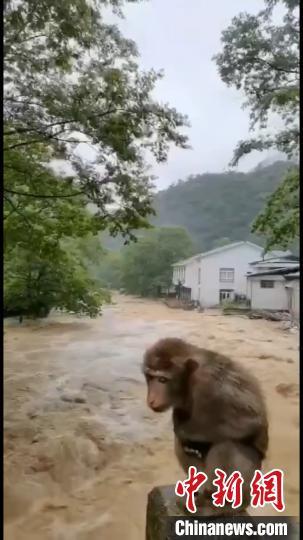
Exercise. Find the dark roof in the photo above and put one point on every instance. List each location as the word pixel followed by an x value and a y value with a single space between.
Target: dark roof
pixel 284 258
pixel 278 272
pixel 295 275
pixel 288 258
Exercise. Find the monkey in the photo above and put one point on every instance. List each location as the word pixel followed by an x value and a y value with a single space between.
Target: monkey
pixel 218 412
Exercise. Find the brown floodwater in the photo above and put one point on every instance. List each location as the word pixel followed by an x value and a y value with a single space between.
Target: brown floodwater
pixel 81 449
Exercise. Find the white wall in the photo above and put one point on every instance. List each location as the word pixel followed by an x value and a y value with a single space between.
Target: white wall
pixel 275 298
pixel 296 302
pixel 238 258
pixel 191 278
pixel 188 275
pixel 294 291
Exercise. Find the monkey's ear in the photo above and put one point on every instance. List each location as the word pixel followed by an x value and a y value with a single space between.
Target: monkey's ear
pixel 191 365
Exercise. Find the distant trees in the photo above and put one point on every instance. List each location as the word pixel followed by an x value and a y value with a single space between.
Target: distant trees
pixel 221 207
pixel 221 242
pixel 144 267
pixel 110 269
pixel 261 58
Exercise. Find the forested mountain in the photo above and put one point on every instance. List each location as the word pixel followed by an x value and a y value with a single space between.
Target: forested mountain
pixel 217 208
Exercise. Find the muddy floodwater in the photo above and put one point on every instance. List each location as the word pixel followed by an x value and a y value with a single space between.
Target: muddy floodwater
pixel 82 450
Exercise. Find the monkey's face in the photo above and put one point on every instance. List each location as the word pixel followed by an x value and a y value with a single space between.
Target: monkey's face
pixel 167 367
pixel 159 397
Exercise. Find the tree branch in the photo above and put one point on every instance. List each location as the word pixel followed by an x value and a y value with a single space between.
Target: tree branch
pixel 15 208
pixel 274 66
pixel 42 196
pixel 24 143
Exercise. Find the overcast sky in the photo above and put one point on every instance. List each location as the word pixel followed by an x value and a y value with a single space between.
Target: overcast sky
pixel 180 37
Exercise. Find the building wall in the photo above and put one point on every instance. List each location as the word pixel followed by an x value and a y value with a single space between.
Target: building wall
pixel 191 278
pixel 188 275
pixel 238 258
pixel 273 299
pixel 294 290
pixel 296 301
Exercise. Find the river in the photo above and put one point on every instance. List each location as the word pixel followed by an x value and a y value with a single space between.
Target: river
pixel 81 449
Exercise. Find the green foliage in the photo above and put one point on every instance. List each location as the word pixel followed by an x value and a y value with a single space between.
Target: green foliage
pixel 39 203
pixel 35 282
pixel 90 252
pixel 146 265
pixel 221 242
pixel 69 77
pixel 279 221
pixel 109 270
pixel 261 58
pixel 42 270
pixel 218 207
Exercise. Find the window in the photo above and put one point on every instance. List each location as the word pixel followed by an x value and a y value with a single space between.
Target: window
pixel 179 273
pixel 199 276
pixel 267 284
pixel 227 275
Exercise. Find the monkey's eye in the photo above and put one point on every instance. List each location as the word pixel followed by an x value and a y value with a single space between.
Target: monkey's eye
pixel 162 380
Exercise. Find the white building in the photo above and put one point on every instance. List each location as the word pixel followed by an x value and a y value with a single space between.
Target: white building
pixel 218 274
pixel 276 289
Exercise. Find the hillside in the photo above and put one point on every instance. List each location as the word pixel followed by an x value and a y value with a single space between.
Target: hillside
pixel 216 208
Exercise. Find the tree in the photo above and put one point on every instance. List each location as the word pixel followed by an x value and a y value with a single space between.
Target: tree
pixel 147 265
pixel 70 77
pixel 261 58
pixel 90 251
pixel 37 201
pixel 37 281
pixel 109 270
pixel 221 242
pixel 42 270
pixel 280 219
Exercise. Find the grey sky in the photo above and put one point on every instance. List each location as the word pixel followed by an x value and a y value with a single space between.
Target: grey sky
pixel 181 36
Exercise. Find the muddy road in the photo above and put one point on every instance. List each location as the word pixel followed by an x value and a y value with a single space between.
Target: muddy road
pixel 81 449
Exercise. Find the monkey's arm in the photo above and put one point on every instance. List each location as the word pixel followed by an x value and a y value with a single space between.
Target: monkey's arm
pixel 240 423
pixel 241 427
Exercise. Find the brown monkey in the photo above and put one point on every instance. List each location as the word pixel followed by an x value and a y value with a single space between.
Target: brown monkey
pixel 219 414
